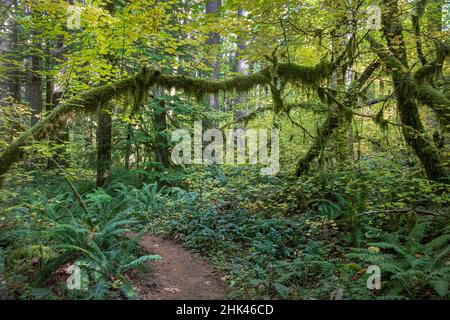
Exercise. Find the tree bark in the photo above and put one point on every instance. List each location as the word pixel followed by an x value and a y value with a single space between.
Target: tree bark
pixel 104 142
pixel 212 8
pixel 413 129
pixel 160 122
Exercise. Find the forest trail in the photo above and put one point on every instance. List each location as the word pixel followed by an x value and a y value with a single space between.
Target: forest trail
pixel 179 275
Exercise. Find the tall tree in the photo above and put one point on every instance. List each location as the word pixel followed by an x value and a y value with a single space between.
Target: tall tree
pixel 35 89
pixel 9 46
pixel 240 68
pixel 213 41
pixel 104 130
pixel 397 58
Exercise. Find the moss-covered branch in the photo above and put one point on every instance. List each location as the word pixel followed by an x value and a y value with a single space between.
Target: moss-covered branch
pixel 288 72
pixel 406 91
pixel 417 85
pixel 429 70
pixel 139 85
pixel 57 118
pixel 335 119
pixel 438 102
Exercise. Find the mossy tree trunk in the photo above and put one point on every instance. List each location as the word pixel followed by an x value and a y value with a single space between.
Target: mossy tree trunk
pixel 412 127
pixel 104 131
pixel 161 147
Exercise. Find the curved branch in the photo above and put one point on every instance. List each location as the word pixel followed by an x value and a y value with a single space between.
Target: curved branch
pixel 417 86
pixel 139 85
pixel 335 119
pixel 415 20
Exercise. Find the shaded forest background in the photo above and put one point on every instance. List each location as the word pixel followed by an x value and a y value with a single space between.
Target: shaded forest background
pixel 359 91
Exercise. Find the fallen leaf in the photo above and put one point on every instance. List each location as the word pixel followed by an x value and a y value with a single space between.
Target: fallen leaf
pixel 172 290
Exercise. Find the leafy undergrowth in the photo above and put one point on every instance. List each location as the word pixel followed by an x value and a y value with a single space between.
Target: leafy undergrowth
pixel 50 235
pixel 313 238
pixel 273 237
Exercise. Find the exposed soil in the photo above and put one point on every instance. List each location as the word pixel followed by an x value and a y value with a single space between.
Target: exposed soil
pixel 179 275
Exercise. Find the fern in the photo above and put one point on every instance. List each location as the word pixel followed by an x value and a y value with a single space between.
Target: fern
pixel 140 261
pixel 96 240
pixel 411 264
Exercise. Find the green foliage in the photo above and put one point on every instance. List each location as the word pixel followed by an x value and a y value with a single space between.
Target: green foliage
pixel 411 264
pixel 305 68
pixel 100 242
pixel 291 240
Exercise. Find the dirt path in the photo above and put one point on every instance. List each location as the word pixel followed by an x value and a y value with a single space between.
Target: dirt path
pixel 179 274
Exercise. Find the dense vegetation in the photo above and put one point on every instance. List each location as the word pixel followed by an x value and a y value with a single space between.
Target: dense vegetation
pixel 361 102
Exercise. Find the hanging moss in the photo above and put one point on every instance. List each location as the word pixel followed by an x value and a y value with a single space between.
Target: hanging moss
pixel 303 74
pixel 139 85
pixel 406 91
pixel 437 102
pixel 335 118
pixel 201 87
pixel 241 84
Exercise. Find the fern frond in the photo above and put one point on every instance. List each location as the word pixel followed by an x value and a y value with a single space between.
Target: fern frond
pixel 140 261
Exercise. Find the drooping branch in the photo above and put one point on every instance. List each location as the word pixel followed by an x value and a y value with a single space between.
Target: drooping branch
pixel 417 85
pixel 138 87
pixel 335 119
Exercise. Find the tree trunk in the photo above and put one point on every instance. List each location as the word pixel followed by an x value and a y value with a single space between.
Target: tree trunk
pixel 35 89
pixel 413 129
pixel 160 122
pixel 9 42
pixel 241 68
pixel 104 133
pixel 104 142
pixel 213 7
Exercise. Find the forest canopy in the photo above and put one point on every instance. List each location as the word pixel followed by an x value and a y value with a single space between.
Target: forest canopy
pixel 355 94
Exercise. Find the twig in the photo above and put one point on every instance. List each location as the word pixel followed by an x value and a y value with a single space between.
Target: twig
pixel 401 210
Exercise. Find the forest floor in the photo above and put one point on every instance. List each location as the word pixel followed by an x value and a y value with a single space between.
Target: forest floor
pixel 179 275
